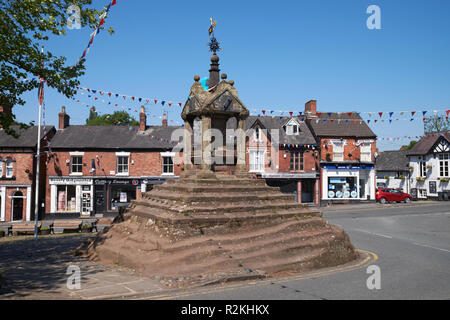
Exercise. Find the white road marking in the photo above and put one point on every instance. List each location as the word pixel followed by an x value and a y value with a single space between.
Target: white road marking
pixel 375 234
pixel 425 245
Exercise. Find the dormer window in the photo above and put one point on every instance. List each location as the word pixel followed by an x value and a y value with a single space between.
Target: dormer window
pixel 292 127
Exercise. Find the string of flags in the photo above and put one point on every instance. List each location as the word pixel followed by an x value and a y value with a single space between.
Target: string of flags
pixel 96 31
pixel 93 92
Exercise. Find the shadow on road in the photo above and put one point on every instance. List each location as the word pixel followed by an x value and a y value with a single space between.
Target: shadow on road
pixel 37 269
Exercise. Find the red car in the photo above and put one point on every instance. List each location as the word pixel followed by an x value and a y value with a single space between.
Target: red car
pixel 384 195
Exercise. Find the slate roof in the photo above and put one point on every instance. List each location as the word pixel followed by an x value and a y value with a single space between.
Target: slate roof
pixel 336 125
pixel 113 137
pixel 424 145
pixel 392 161
pixel 304 137
pixel 27 137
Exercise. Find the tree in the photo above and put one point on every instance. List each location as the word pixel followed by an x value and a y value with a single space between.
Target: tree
pixel 24 26
pixel 92 115
pixel 409 146
pixel 436 124
pixel 117 118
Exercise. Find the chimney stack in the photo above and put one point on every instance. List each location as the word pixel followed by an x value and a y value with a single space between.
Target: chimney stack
pixel 311 108
pixel 63 119
pixel 142 119
pixel 164 120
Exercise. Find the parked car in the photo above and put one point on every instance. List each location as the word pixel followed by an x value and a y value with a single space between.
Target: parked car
pixel 384 195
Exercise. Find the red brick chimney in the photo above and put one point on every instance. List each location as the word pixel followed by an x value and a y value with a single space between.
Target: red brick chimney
pixel 142 119
pixel 164 121
pixel 311 108
pixel 63 119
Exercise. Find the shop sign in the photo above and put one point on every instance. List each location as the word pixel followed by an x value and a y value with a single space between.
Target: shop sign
pixel 115 181
pixel 70 181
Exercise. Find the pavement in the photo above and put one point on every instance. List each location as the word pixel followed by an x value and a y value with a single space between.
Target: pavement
pixel 410 243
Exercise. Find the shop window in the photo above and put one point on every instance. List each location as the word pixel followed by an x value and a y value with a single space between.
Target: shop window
pixel 66 198
pixel 345 188
pixel 9 168
pixel 77 164
pixel 122 165
pixel 167 165
pixel 296 161
pixel 443 164
pixel 121 196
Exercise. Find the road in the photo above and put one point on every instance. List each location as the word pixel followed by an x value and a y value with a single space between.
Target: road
pixel 410 245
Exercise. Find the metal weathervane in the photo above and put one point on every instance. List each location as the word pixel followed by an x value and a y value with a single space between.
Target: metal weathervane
pixel 214 45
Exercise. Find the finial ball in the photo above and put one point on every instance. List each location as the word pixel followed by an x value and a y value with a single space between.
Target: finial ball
pixel 231 82
pixel 223 76
pixel 196 78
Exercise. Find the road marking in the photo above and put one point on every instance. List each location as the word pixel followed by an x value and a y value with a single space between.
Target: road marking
pixel 373 233
pixel 370 259
pixel 425 245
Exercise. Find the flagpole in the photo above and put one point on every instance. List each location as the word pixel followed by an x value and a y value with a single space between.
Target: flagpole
pixel 38 158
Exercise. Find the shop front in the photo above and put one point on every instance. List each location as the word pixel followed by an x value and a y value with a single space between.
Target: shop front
pixel 71 195
pixel 348 182
pixel 110 194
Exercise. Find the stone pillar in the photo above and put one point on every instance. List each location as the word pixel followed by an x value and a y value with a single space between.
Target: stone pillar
pixel 206 143
pixel 299 191
pixel 187 147
pixel 240 146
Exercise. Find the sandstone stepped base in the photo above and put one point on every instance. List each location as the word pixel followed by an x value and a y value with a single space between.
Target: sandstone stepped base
pixel 220 225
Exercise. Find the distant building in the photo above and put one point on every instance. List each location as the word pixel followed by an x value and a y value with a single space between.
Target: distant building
pixel 18 172
pixel 429 160
pixel 98 169
pixel 347 153
pixel 292 164
pixel 392 169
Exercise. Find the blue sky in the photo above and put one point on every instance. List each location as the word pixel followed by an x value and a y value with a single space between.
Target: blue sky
pixel 279 53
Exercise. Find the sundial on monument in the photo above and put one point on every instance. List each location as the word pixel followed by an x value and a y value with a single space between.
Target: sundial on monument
pixel 216 220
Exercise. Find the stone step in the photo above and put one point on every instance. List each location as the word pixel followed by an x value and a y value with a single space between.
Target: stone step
pixel 247 235
pixel 266 246
pixel 193 188
pixel 222 197
pixel 216 181
pixel 220 208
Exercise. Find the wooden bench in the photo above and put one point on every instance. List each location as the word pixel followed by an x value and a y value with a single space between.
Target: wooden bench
pixel 63 225
pixel 19 228
pixel 102 224
pixel 6 229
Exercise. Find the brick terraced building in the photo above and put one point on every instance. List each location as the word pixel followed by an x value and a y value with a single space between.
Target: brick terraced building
pixel 97 169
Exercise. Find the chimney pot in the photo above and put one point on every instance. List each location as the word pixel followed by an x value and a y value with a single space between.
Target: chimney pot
pixel 164 120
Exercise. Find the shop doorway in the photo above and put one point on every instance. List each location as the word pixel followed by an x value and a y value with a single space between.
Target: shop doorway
pixel 17 206
pixel 100 201
pixel 307 191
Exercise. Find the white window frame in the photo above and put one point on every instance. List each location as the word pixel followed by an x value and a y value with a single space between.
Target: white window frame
pixel 338 151
pixel 167 155
pixel 365 152
pixel 444 164
pixel 122 155
pixel 72 173
pixel 422 168
pixel 9 164
pixel 1 168
pixel 257 160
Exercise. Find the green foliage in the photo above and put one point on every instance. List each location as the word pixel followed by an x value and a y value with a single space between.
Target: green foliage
pixel 409 146
pixel 434 124
pixel 24 26
pixel 117 118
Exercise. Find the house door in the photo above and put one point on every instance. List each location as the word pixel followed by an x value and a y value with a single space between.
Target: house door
pixel 307 191
pixel 17 206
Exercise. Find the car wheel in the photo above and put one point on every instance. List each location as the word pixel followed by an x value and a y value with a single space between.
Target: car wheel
pixel 383 200
pixel 407 200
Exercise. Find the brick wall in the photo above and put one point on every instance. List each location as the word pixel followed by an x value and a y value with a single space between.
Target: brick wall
pixel 350 147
